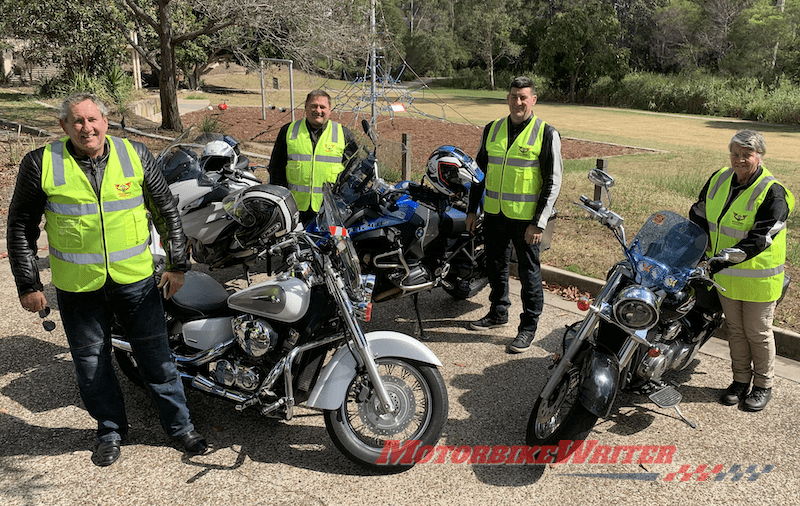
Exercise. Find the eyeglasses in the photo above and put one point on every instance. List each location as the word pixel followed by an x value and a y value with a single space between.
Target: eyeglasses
pixel 49 325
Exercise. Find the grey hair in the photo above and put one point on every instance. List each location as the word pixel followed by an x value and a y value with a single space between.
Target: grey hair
pixel 522 82
pixel 749 139
pixel 77 98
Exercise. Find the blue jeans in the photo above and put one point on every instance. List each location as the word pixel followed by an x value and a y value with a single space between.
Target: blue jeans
pixel 87 319
pixel 501 232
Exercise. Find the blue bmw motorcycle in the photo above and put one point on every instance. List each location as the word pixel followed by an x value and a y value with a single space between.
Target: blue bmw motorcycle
pixel 413 236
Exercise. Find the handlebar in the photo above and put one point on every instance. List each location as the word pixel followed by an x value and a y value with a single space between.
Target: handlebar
pixel 594 205
pixel 701 273
pixel 277 248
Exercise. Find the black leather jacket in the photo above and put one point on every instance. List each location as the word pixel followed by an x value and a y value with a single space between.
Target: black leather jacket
pixel 27 208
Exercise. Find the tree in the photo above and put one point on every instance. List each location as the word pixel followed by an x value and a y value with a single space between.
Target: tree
pixel 638 24
pixel 313 33
pixel 71 34
pixel 580 47
pixel 486 29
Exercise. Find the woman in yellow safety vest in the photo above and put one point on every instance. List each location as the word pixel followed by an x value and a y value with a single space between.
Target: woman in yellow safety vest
pixel 743 206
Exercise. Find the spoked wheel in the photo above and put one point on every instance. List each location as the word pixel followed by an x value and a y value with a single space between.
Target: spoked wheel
pixel 561 416
pixel 360 430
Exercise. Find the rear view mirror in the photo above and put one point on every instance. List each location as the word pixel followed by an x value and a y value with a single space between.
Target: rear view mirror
pixel 601 178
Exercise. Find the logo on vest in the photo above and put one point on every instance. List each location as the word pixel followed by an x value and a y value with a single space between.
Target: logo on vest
pixel 739 217
pixel 123 188
pixel 330 147
pixel 524 150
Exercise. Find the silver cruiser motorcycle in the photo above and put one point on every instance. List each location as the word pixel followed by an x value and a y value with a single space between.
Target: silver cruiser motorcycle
pixel 651 317
pixel 296 338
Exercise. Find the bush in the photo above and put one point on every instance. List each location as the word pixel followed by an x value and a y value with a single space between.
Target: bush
pixel 115 88
pixel 700 93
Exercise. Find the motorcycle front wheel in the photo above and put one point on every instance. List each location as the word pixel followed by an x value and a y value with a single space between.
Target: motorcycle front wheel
pixel 362 432
pixel 561 416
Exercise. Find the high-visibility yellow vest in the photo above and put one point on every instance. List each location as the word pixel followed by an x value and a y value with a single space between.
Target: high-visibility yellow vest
pixel 513 173
pixel 309 167
pixel 759 279
pixel 89 238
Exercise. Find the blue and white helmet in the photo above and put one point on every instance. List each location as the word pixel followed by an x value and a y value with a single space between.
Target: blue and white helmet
pixel 451 171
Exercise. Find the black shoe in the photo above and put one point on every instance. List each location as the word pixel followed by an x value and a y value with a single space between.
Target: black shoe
pixel 758 399
pixel 489 322
pixel 106 453
pixel 735 393
pixel 521 343
pixel 193 443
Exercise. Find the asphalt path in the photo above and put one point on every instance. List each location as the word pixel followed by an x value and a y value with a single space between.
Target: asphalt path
pixel 47 436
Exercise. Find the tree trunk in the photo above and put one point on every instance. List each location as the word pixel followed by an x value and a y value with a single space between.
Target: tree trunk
pixel 573 84
pixel 779 4
pixel 168 77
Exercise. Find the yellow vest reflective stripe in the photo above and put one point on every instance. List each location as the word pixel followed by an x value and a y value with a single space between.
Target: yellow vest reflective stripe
pixel 759 279
pixel 91 239
pixel 309 167
pixel 513 174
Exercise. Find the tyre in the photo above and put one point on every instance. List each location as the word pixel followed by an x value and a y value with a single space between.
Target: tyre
pixel 360 431
pixel 561 416
pixel 464 289
pixel 128 366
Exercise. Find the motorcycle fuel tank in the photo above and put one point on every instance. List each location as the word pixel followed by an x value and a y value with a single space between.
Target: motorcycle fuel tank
pixel 285 299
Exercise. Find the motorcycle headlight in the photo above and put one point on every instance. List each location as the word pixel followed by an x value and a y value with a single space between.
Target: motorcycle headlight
pixel 636 307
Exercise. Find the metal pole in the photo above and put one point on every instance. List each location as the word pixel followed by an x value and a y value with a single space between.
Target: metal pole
pixel 372 62
pixel 291 81
pixel 263 93
pixel 291 89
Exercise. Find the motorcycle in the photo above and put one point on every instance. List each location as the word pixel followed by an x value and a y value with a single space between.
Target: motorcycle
pixel 200 183
pixel 412 236
pixel 266 347
pixel 651 317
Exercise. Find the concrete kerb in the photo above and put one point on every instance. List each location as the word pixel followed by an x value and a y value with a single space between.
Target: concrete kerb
pixel 786 341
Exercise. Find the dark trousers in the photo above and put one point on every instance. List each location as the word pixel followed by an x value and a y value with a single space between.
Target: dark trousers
pixel 87 318
pixel 501 233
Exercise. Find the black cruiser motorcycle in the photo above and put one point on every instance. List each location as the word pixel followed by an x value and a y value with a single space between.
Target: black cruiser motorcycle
pixel 651 317
pixel 296 338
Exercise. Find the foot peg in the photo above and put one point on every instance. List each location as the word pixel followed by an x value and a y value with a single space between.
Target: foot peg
pixel 669 397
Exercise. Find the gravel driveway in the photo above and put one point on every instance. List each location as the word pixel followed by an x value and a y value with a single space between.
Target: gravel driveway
pixel 47 435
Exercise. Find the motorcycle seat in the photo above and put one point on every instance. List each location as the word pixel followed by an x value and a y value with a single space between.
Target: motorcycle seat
pixel 200 297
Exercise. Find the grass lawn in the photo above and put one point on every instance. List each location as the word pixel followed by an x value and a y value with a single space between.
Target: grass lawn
pixel 692 147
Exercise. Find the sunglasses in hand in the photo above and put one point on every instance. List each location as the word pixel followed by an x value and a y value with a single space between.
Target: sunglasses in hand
pixel 49 325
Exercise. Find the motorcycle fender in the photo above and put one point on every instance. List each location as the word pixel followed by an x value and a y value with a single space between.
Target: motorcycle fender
pixel 331 387
pixel 599 388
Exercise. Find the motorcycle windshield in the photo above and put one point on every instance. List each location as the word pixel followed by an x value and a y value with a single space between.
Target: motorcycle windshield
pixel 330 220
pixel 666 250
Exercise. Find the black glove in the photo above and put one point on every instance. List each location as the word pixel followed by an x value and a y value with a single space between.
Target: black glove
pixel 714 266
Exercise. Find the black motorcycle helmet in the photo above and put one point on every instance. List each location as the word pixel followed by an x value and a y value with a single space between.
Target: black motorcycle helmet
pixel 265 212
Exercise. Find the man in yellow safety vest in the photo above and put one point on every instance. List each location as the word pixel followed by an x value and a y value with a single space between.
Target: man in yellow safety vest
pixel 521 156
pixel 310 152
pixel 94 191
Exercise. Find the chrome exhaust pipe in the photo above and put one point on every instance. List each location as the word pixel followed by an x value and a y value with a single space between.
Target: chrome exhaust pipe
pixel 206 385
